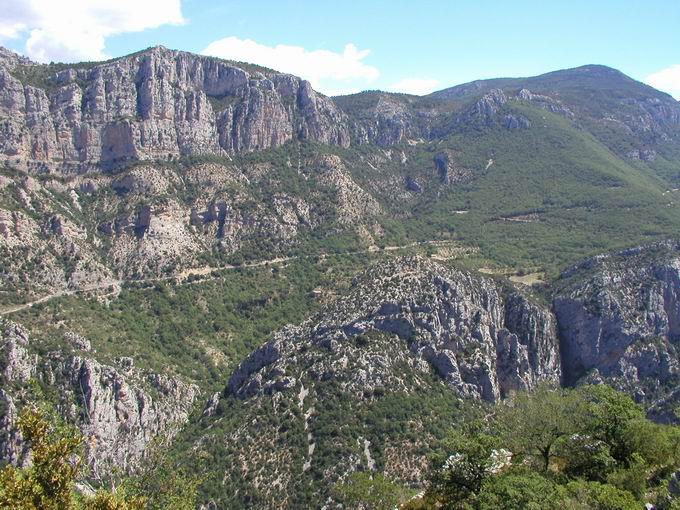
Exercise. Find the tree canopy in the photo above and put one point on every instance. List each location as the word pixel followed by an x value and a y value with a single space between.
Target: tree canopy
pixel 585 448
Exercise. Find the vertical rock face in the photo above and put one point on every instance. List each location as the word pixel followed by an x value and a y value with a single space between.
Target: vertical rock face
pixel 154 105
pixel 409 325
pixel 16 363
pixel 480 343
pixel 546 102
pixel 118 409
pixel 527 348
pixel 449 172
pixel 120 417
pixel 620 319
pixel 390 121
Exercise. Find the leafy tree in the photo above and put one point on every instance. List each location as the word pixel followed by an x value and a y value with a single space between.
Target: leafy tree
pixel 585 457
pixel 105 500
pixel 572 435
pixel 464 467
pixel 533 424
pixel 657 444
pixel 370 492
pixel 632 478
pixel 610 413
pixel 598 496
pixel 164 484
pixel 49 482
pixel 518 489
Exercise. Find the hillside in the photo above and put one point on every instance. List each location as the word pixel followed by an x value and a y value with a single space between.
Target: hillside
pixel 293 287
pixel 375 376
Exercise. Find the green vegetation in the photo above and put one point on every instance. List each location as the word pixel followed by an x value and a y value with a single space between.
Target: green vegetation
pixel 586 448
pixel 362 490
pixel 200 329
pixel 539 198
pixel 49 483
pixel 340 423
pixel 584 199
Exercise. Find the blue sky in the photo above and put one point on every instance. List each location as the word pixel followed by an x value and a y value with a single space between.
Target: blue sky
pixel 354 45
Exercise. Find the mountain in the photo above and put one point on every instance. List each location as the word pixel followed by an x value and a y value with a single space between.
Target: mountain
pixel 366 382
pixel 292 287
pixel 167 162
pixel 156 104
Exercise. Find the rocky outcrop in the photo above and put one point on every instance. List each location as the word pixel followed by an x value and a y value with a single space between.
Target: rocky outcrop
pixel 527 350
pixel 409 329
pixel 408 325
pixel 16 363
pixel 619 319
pixel 648 155
pixel 158 104
pixel 449 172
pixel 155 104
pixel 391 120
pixel 413 185
pixel 512 121
pixel 119 410
pixel 354 204
pixel 650 115
pixel 478 341
pixel 158 219
pixel 546 102
pixel 484 111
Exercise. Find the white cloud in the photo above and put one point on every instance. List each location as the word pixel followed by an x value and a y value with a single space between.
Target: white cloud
pixel 324 69
pixel 667 79
pixel 416 86
pixel 342 91
pixel 72 30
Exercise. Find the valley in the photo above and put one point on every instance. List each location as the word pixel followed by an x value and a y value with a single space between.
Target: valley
pixel 287 289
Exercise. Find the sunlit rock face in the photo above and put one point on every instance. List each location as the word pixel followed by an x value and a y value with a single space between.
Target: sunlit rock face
pixel 156 104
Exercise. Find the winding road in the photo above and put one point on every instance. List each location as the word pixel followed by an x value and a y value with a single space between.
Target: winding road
pixel 201 271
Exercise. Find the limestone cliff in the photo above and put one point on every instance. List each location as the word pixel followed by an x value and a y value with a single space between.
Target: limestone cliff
pixel 619 319
pixel 155 104
pixel 481 342
pixel 119 409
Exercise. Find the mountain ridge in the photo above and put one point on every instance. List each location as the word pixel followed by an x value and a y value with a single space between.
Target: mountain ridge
pixel 160 103
pixel 298 287
pixel 9 54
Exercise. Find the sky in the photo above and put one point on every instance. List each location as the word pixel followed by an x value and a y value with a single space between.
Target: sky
pixel 349 46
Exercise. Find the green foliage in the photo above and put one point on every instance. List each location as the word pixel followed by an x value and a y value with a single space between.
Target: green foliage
pixel 48 484
pixel 610 414
pixel 632 478
pixel 340 424
pixel 119 500
pixel 546 417
pixel 369 492
pixel 586 198
pixel 584 456
pixel 199 330
pixel 584 448
pixel 598 496
pixel 463 472
pixel 657 445
pixel 519 489
pixel 164 483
